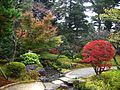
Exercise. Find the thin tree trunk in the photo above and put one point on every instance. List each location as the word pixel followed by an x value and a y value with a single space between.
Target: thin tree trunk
pixel 3 73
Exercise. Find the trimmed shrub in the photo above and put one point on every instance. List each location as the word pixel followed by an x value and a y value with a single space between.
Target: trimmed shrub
pixel 15 69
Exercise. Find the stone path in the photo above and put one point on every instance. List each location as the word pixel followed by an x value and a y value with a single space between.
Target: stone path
pixel 26 86
pixel 69 78
pixel 81 73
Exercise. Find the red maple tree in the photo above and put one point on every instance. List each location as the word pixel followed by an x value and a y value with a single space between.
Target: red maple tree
pixel 98 53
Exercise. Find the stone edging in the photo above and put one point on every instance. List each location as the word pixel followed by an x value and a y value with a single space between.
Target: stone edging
pixel 21 82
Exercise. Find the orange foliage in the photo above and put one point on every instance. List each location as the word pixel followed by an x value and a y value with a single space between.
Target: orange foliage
pixel 33 29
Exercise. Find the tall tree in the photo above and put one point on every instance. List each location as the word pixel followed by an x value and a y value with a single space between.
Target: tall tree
pixel 98 8
pixel 113 15
pixel 71 18
pixel 8 14
pixel 36 34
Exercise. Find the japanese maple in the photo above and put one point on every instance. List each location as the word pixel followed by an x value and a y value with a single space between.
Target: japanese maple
pixel 98 53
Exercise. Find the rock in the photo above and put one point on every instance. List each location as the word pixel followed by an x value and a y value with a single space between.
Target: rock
pixel 59 82
pixel 67 80
pixel 51 86
pixel 81 80
pixel 44 79
pixel 42 72
pixel 64 86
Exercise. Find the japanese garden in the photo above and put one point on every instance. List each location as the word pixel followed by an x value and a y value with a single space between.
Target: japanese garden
pixel 59 44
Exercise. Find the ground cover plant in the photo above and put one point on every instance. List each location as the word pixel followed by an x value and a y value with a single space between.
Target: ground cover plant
pixel 109 80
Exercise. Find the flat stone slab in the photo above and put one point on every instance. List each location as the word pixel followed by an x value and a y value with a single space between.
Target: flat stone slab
pixel 57 82
pixel 66 79
pixel 26 86
pixel 80 73
pixel 51 86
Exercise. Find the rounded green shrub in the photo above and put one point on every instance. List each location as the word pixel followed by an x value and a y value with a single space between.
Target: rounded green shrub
pixel 15 69
pixel 30 58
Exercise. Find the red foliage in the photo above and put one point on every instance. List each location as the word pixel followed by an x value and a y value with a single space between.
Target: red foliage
pixel 54 51
pixel 97 53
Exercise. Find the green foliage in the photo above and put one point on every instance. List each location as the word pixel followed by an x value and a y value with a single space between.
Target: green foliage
pixel 55 41
pixel 48 56
pixel 95 85
pixel 30 58
pixel 24 5
pixel 78 55
pixel 100 5
pixel 111 14
pixel 8 14
pixel 79 86
pixel 15 69
pixel 3 61
pixel 112 78
pixel 35 34
pixel 33 74
pixel 109 80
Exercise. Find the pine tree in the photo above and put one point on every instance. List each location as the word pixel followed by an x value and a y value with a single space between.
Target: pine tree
pixel 8 14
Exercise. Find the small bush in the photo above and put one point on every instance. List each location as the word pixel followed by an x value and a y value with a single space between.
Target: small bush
pixel 79 86
pixel 30 58
pixel 95 85
pixel 33 74
pixel 49 56
pixel 15 69
pixel 112 78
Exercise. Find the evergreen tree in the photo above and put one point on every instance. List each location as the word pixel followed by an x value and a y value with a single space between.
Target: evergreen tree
pixel 73 24
pixel 8 14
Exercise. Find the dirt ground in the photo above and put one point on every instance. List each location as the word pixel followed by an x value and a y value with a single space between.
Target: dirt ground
pixel 3 81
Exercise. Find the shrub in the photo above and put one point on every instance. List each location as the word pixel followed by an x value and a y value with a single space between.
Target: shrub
pixel 15 69
pixel 97 53
pixel 112 78
pixel 33 74
pixel 48 56
pixel 95 85
pixel 79 86
pixel 30 58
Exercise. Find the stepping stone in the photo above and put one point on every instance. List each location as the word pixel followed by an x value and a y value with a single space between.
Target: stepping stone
pixel 64 86
pixel 51 86
pixel 66 79
pixel 59 82
pixel 81 80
